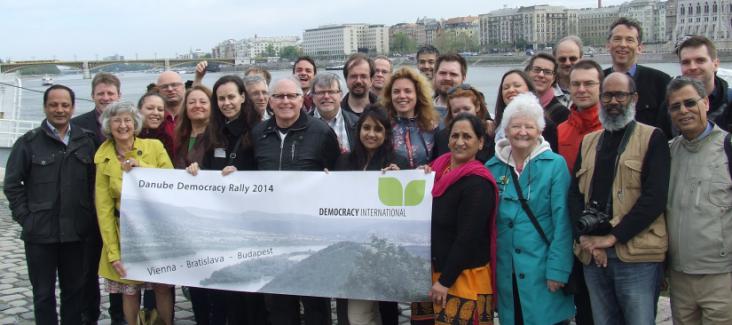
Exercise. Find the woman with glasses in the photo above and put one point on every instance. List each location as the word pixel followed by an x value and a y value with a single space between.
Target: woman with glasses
pixel 514 83
pixel 534 257
pixel 408 104
pixel 464 99
pixel 542 69
pixel 123 150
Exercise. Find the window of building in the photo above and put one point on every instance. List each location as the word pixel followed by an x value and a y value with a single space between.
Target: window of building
pixel 706 8
pixel 683 10
pixel 714 8
pixel 698 9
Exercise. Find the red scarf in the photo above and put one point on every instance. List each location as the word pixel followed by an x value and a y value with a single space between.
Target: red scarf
pixel 443 180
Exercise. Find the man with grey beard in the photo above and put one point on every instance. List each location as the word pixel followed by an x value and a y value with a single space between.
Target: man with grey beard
pixel 620 225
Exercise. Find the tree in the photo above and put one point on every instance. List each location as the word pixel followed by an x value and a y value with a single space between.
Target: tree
pixel 402 43
pixel 457 42
pixel 270 51
pixel 290 53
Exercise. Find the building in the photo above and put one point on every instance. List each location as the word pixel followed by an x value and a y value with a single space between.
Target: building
pixel 225 50
pixel 531 27
pixel 671 6
pixel 711 18
pixel 651 14
pixel 595 24
pixel 413 31
pixel 336 42
pixel 245 51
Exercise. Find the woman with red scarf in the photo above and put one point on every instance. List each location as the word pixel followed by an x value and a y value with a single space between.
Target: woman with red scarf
pixel 463 228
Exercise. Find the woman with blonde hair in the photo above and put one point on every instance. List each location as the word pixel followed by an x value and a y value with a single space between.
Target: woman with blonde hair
pixel 407 98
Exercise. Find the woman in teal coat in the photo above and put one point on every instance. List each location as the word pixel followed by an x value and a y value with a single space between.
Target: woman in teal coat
pixel 530 273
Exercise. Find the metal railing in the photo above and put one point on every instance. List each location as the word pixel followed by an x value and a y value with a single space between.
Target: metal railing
pixel 11 130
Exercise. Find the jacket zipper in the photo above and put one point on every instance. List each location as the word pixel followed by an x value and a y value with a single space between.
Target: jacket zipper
pixel 282 146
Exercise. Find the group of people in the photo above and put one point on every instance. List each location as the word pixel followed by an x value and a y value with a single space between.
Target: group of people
pixel 566 203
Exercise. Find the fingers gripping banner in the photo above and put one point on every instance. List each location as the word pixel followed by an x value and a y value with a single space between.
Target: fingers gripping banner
pixel 360 235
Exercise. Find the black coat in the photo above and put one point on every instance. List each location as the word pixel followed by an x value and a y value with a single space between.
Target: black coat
pixel 88 121
pixel 651 87
pixel 350 119
pixel 310 144
pixel 239 143
pixel 461 227
pixel 377 162
pixel 50 185
pixel 556 112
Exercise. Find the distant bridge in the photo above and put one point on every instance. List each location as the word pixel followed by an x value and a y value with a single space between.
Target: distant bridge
pixel 87 66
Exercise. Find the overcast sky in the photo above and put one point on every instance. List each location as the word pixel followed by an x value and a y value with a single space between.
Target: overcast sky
pixel 86 29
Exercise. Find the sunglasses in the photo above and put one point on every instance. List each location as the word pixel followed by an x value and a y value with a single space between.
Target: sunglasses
pixel 688 103
pixel 563 59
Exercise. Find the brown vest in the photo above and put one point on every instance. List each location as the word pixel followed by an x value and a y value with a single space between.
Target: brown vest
pixel 649 245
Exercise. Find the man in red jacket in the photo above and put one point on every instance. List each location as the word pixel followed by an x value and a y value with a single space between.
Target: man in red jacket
pixel 584 89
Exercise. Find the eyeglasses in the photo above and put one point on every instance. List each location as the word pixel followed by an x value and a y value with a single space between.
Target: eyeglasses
pixel 326 92
pixel 283 96
pixel 688 103
pixel 563 59
pixel 537 70
pixel 620 96
pixel 586 84
pixel 171 85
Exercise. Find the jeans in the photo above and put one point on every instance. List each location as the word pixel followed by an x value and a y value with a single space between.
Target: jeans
pixel 623 293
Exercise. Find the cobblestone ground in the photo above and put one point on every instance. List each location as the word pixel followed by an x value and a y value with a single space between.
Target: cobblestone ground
pixel 16 298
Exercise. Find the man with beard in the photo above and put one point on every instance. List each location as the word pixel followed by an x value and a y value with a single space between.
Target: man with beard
pixel 450 71
pixel 616 200
pixel 625 43
pixel 698 59
pixel 382 69
pixel 567 51
pixel 171 87
pixel 698 266
pixel 305 70
pixel 426 57
pixel 358 71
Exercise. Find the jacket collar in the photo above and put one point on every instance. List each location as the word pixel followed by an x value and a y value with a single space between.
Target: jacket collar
pixel 587 119
pixel 302 122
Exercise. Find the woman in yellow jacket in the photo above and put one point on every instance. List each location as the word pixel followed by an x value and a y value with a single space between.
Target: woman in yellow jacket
pixel 123 150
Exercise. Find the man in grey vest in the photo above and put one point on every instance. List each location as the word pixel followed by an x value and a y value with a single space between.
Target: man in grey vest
pixel 698 210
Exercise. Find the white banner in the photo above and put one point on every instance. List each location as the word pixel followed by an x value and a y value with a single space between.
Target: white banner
pixel 361 235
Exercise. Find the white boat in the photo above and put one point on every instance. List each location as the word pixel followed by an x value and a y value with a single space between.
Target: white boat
pixel 47 80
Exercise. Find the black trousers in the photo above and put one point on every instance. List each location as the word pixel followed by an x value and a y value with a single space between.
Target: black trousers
pixel 582 296
pixel 285 310
pixel 44 261
pixel 90 295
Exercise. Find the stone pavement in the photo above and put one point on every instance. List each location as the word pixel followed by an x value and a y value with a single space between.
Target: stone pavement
pixel 16 298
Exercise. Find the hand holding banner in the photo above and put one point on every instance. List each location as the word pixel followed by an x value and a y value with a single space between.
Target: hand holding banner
pixel 360 235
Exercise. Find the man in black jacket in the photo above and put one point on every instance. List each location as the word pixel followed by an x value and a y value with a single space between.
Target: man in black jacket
pixel 105 90
pixel 49 185
pixel 293 140
pixel 698 59
pixel 625 44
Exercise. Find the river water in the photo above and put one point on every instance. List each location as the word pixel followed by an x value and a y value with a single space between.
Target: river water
pixel 485 78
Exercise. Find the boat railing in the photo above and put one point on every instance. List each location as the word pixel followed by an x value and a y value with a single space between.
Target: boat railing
pixel 11 130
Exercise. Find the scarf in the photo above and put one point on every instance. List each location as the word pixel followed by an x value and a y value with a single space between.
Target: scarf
pixel 443 180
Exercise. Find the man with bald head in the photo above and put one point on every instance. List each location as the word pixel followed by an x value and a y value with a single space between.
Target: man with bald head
pixel 171 87
pixel 617 200
pixel 293 140
pixel 567 51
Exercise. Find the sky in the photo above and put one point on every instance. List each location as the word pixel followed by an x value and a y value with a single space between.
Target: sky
pixel 91 29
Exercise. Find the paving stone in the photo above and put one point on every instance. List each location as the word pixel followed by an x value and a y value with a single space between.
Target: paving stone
pixel 15 310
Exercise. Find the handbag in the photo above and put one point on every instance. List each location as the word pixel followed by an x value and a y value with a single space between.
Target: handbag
pixel 570 287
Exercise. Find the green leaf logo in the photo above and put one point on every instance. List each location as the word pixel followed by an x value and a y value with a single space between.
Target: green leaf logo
pixel 414 193
pixel 390 191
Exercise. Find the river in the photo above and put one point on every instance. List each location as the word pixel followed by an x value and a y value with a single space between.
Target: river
pixel 485 78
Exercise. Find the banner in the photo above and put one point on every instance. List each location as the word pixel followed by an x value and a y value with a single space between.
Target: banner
pixel 360 235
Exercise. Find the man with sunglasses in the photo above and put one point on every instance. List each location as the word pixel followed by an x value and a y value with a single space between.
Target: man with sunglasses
pixel 567 51
pixel 698 60
pixel 699 218
pixel 617 199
